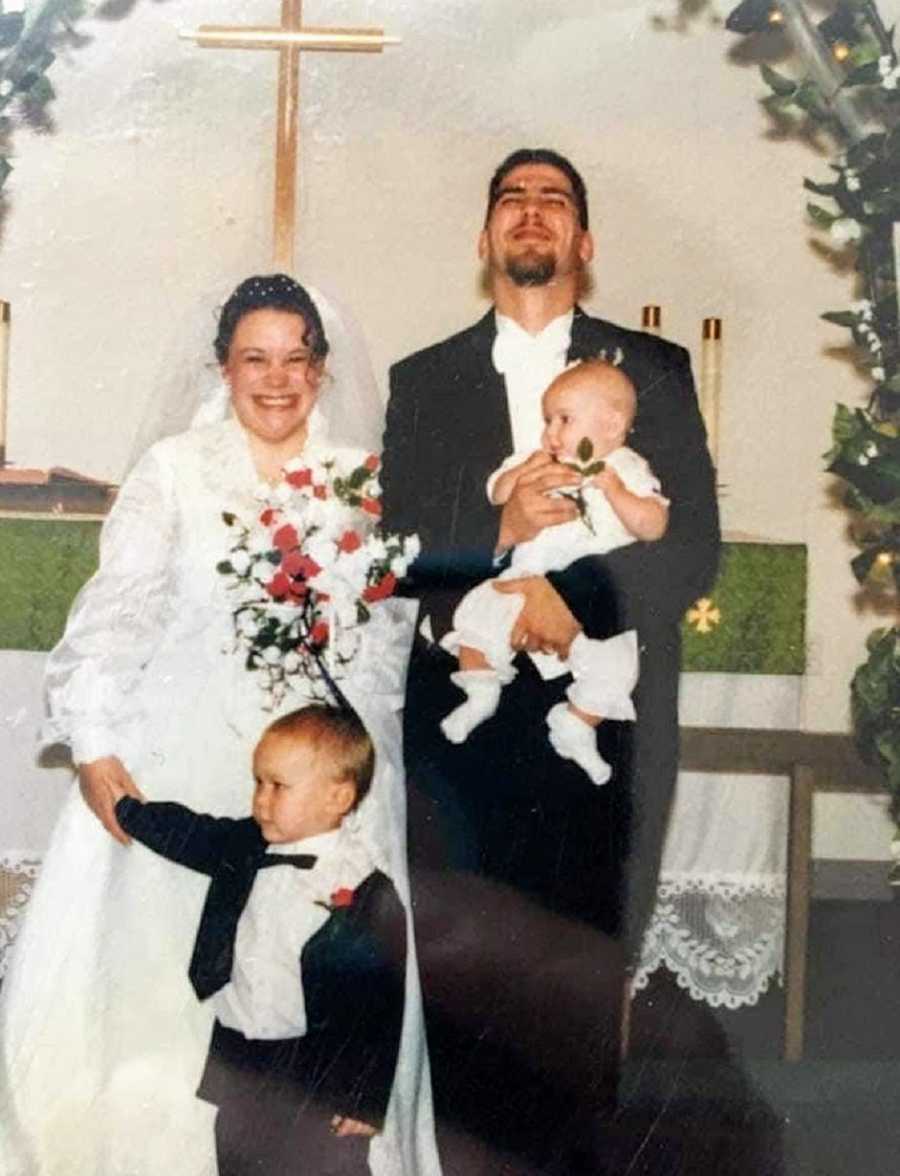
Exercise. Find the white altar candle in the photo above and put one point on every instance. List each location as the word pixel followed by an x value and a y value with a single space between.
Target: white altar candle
pixel 711 381
pixel 4 373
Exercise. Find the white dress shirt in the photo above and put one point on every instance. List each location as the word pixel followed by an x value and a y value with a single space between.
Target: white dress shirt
pixel 529 364
pixel 286 907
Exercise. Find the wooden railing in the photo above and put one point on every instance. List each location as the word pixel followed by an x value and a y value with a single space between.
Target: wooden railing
pixel 812 763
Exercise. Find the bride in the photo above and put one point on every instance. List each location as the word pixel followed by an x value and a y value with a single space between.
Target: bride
pixel 103 1041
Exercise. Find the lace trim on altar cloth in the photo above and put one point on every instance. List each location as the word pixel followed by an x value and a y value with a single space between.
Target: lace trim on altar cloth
pixel 18 872
pixel 723 938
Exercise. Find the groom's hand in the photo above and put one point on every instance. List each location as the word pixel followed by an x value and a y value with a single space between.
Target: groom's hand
pixel 545 623
pixel 529 508
pixel 103 782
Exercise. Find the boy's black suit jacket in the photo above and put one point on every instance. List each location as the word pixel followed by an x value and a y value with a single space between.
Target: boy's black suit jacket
pixel 353 978
pixel 448 428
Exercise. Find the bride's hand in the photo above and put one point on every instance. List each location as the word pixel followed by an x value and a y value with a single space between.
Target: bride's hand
pixel 103 782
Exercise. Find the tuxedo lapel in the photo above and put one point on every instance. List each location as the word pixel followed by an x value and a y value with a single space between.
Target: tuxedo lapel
pixel 590 336
pixel 483 412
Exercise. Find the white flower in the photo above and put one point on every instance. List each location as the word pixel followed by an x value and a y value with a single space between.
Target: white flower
pixel 261 493
pixel 872 449
pixel 263 570
pixel 272 655
pixel 889 81
pixel 862 460
pixel 240 561
pixel 281 494
pixel 291 662
pixel 878 374
pixel 885 64
pixel 248 625
pixel 845 229
pixel 863 308
pixel 874 343
pixel 852 181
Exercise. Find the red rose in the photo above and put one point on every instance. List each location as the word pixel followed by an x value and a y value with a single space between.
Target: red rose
pixel 320 492
pixel 349 542
pixel 295 563
pixel 381 590
pixel 299 478
pixel 279 585
pixel 342 897
pixel 318 634
pixel 268 516
pixel 286 537
pixel 372 463
pixel 372 505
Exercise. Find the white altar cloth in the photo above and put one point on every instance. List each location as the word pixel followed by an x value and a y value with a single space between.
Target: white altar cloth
pixel 719 918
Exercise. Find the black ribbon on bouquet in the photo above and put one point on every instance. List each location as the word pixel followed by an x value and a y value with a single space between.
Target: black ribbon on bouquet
pixel 342 702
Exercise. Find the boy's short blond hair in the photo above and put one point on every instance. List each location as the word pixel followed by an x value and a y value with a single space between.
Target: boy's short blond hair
pixel 339 735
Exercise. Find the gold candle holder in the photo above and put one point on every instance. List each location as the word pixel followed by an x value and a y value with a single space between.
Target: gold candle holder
pixel 651 319
pixel 5 324
pixel 711 381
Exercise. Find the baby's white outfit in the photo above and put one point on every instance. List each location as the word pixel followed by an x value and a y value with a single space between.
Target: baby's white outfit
pixel 605 672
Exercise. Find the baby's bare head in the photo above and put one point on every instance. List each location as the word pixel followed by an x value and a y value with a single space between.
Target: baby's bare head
pixel 593 400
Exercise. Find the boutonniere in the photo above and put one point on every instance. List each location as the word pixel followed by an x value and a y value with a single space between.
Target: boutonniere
pixel 587 468
pixel 340 899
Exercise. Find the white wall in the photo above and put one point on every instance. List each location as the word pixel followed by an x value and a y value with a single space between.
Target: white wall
pixel 152 197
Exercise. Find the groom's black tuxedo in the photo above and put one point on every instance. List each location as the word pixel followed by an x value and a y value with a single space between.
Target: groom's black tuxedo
pixel 448 428
pixel 275 1095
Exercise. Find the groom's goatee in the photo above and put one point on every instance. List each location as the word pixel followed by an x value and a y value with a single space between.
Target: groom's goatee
pixel 535 271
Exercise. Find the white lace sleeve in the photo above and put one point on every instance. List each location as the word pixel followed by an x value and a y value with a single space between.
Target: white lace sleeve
pixel 115 621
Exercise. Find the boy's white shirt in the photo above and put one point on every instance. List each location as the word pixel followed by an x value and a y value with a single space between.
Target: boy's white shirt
pixel 286 907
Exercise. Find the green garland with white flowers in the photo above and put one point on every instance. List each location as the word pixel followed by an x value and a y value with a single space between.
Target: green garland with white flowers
pixel 858 207
pixel 30 38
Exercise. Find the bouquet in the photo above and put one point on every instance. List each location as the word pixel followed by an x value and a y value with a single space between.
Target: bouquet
pixel 309 569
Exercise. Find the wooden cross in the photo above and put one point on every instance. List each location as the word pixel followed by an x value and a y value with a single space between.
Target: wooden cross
pixel 290 39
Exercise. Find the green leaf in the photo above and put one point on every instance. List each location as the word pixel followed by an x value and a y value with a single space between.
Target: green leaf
pixel 585 450
pixel 228 518
pixel 821 189
pixel 863 75
pixel 821 216
pixel 865 52
pixel 595 467
pixel 778 83
pixel 861 564
pixel 5 169
pixel 224 566
pixel 841 318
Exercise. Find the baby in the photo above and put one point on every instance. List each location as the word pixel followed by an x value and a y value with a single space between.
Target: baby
pixel 588 411
pixel 304 962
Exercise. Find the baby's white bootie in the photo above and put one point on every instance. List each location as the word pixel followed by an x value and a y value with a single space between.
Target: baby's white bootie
pixel 574 739
pixel 482 688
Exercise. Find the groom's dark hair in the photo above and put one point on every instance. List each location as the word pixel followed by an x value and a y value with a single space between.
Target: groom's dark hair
pixel 539 155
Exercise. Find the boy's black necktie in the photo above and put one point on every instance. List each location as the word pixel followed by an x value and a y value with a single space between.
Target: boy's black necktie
pixel 213 956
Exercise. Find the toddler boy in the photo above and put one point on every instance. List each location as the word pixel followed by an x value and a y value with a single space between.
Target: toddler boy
pixel 301 948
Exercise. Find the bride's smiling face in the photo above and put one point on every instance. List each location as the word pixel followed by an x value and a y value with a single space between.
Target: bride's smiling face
pixel 273 378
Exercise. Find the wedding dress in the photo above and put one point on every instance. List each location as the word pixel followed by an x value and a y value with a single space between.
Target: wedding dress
pixel 103 1040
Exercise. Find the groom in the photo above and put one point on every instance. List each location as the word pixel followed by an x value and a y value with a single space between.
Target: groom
pixel 503 807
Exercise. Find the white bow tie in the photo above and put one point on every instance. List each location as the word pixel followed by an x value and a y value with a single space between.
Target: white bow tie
pixel 514 349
